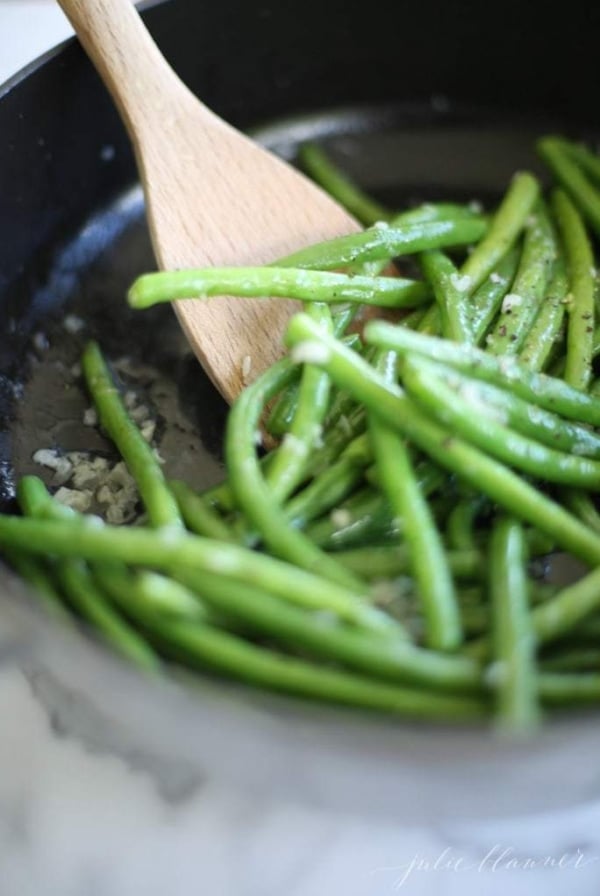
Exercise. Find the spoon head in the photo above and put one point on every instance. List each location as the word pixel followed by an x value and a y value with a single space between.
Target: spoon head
pixel 214 197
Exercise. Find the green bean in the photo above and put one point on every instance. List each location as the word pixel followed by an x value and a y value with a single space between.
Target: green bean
pixel 35 501
pixel 543 426
pixel 431 478
pixel 413 318
pixel 387 561
pixel 504 229
pixel 567 689
pixel 538 543
pixel 476 615
pixel 205 647
pixel 473 466
pixel 89 600
pixel 572 178
pixel 429 566
pixel 343 405
pixel 559 615
pixel 562 613
pixel 336 439
pixel 392 657
pixel 431 323
pixel 166 551
pixel 34 572
pixel 580 263
pixel 514 646
pixel 162 595
pixel 437 211
pixel 283 409
pixel 279 672
pixel 486 300
pixel 80 582
pixel 324 494
pixel 366 518
pixel 538 388
pixel 541 591
pixel 252 492
pixel 585 158
pixel 545 330
pixel 447 286
pixel 384 243
pixel 319 166
pixel 471 419
pixel 139 457
pixel 528 290
pixel 582 506
pixel 287 282
pixel 329 488
pixel 321 169
pixel 220 497
pixel 342 316
pixel 460 524
pixel 574 659
pixel 197 514
pixel 78 585
pixel 289 462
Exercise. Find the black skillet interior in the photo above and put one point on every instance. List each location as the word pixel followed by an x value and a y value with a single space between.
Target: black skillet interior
pixel 416 100
pixel 440 100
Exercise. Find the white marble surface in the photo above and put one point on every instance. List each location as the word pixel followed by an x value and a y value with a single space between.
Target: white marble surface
pixel 27 29
pixel 75 823
pixel 79 823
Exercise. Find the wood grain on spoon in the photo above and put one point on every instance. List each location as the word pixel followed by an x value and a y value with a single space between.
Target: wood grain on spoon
pixel 213 196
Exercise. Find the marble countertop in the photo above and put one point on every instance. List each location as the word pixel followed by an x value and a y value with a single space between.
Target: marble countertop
pixel 77 822
pixel 27 29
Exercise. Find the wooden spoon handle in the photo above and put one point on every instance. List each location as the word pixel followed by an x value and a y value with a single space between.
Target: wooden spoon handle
pixel 132 67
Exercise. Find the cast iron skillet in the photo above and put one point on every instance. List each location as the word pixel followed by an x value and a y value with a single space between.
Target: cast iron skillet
pixel 438 100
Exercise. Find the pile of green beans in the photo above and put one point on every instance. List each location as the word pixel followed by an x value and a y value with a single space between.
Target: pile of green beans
pixel 394 551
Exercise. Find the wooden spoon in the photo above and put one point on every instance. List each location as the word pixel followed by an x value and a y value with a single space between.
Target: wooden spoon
pixel 213 196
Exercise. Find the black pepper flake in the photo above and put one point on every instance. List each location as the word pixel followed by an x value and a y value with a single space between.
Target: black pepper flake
pixel 502 330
